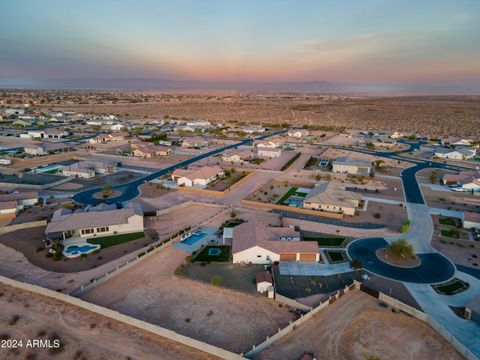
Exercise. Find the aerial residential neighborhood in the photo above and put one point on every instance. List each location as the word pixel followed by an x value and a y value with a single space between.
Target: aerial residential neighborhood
pixel 240 180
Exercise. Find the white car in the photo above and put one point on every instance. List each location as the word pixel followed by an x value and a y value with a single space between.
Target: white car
pixel 459 189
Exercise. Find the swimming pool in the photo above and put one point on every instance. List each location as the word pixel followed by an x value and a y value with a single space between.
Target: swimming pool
pixel 76 250
pixel 194 237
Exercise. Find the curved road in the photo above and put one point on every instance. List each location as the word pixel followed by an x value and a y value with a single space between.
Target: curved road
pixel 434 267
pixel 131 190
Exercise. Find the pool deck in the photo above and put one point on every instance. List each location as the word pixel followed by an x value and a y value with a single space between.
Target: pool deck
pixel 209 230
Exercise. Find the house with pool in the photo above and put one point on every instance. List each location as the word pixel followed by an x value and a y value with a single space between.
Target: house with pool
pixel 82 229
pixel 256 243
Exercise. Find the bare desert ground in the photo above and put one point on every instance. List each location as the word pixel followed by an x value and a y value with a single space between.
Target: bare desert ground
pixel 222 317
pixel 356 327
pixel 430 115
pixel 82 334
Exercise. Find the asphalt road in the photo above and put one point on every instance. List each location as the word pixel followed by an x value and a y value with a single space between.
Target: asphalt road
pixel 131 190
pixel 434 267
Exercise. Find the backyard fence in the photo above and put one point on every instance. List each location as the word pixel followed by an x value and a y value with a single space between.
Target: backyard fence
pixel 256 349
pixel 125 319
pixel 145 252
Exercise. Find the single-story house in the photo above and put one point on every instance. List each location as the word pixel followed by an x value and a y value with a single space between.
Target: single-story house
pixel 298 133
pixel 471 220
pixel 272 144
pixel 264 281
pixel 256 243
pixel 23 199
pixel 269 152
pixel 8 209
pixel 49 133
pixel 351 166
pixel 46 148
pixel 329 197
pixel 88 169
pixel 150 150
pixel 254 129
pixel 455 154
pixel 380 141
pixel 197 177
pixel 117 127
pixel 456 141
pixel 469 180
pixel 103 138
pixel 4 161
pixel 100 220
pixel 195 142
pixel 396 135
pixel 238 156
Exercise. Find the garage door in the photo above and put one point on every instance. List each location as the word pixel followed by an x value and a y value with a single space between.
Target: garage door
pixel 308 257
pixel 288 257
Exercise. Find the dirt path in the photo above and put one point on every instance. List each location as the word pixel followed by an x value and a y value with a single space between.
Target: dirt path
pixel 83 335
pixel 356 327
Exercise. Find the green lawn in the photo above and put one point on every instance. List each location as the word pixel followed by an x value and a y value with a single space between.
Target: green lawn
pixel 287 195
pixel 326 241
pixel 452 287
pixel 53 171
pixel 203 255
pixel 290 162
pixel 447 221
pixel 453 233
pixel 335 256
pixel 257 161
pixel 107 241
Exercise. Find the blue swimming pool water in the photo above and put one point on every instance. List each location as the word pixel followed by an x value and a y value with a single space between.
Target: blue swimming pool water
pixel 84 249
pixel 192 239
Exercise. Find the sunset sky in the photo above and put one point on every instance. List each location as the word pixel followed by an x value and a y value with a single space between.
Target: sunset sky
pixel 348 41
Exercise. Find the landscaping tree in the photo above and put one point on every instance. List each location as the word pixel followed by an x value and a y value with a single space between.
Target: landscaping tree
pixel 216 280
pixel 107 189
pixel 356 264
pixel 401 248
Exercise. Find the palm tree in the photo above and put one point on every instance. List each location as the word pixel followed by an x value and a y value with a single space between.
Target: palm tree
pixel 356 264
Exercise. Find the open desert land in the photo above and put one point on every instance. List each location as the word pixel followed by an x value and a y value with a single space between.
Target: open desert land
pixel 434 115
pixel 82 334
pixel 219 316
pixel 356 327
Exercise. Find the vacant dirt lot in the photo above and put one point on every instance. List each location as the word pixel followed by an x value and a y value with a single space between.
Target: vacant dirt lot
pixel 83 335
pixel 356 327
pixel 222 317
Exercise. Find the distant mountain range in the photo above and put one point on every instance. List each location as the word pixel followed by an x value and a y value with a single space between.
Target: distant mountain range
pixel 167 84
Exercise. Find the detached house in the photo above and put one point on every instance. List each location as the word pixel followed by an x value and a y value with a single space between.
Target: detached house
pixel 100 220
pixel 256 243
pixel 351 166
pixel 455 154
pixel 149 151
pixel 46 148
pixel 49 133
pixel 298 133
pixel 198 177
pixel 238 156
pixel 330 198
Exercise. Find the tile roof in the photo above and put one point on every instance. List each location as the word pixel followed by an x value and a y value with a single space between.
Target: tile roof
pixel 205 172
pixel 254 233
pixel 64 219
pixel 330 194
pixel 19 196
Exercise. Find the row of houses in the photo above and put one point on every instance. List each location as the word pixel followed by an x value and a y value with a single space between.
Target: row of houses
pixel 12 203
pixel 468 180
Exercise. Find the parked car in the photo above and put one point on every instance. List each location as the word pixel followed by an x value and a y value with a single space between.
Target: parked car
pixel 459 189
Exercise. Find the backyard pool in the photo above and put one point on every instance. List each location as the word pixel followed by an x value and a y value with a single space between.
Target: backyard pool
pixel 76 250
pixel 194 237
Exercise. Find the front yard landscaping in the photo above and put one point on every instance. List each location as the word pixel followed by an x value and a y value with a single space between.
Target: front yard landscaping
pixel 447 221
pixel 452 233
pixel 336 256
pixel 451 287
pixel 326 241
pixel 107 241
pixel 213 253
